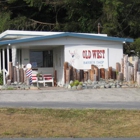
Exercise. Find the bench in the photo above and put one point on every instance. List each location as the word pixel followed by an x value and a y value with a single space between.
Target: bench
pixel 46 78
pixel 35 79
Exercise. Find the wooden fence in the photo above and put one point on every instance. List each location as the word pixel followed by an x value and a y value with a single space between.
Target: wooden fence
pixel 18 75
pixel 125 71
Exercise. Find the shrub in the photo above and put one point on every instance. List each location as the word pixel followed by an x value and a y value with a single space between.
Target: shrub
pixel 72 84
pixel 1 79
pixel 80 83
pixel 76 83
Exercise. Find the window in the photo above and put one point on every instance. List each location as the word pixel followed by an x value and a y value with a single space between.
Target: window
pixel 41 58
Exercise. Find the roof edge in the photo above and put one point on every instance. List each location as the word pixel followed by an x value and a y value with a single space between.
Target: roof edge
pixel 67 34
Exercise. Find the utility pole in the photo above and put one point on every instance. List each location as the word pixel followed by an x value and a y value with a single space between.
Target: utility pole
pixel 99 26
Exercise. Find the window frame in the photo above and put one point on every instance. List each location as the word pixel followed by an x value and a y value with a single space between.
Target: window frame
pixel 48 62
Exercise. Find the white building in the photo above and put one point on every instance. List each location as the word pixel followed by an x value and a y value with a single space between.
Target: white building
pixel 47 51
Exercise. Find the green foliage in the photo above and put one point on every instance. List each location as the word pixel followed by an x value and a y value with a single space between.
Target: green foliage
pixel 80 83
pixel 136 45
pixel 4 21
pixel 1 79
pixel 83 21
pixel 20 23
pixel 35 3
pixel 39 74
pixel 11 1
pixel 72 84
pixel 10 88
pixel 111 13
pixel 76 83
pixel 117 17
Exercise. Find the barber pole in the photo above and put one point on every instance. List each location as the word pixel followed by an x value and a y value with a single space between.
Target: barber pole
pixel 29 75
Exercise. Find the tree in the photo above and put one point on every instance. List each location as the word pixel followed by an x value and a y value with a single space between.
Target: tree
pixel 121 18
pixel 117 17
pixel 82 15
pixel 4 16
pixel 136 46
pixel 4 21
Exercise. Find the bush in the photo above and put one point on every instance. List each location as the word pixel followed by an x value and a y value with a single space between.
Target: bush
pixel 72 84
pixel 81 83
pixel 76 83
pixel 1 79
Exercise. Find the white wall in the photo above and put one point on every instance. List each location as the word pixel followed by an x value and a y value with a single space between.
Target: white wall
pixel 25 56
pixel 58 63
pixel 14 56
pixel 26 60
pixel 83 56
pixel 114 54
pixel 46 70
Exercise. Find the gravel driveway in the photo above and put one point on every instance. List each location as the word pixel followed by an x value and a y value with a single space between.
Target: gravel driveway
pixel 61 94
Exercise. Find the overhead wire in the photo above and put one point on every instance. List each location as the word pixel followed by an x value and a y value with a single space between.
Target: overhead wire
pixel 3 1
pixel 128 24
pixel 128 13
pixel 123 19
pixel 126 18
pixel 6 1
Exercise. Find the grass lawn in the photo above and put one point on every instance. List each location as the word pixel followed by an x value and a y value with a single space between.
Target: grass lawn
pixel 68 123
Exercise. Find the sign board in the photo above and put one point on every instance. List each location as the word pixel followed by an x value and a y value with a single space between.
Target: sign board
pixel 82 57
pixel 28 66
pixel 26 59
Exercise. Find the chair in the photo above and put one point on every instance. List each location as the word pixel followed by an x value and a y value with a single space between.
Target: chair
pixel 48 78
pixel 34 79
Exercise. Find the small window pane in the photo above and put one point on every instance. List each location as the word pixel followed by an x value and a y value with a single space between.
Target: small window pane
pixel 37 57
pixel 48 58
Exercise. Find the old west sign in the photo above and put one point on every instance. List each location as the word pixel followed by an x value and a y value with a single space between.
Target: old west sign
pixel 83 57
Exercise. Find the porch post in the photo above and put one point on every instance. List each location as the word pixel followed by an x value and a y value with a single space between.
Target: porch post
pixel 0 60
pixel 3 56
pixel 14 56
pixel 8 59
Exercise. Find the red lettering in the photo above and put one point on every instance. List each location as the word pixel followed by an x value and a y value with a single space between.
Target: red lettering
pixel 94 53
pixel 103 53
pixel 100 54
pixel 89 54
pixel 83 54
pixel 86 54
